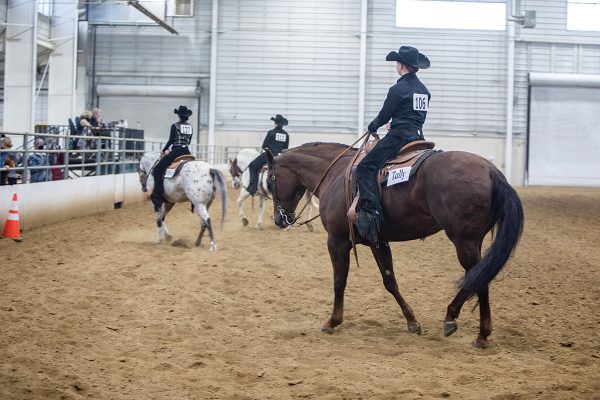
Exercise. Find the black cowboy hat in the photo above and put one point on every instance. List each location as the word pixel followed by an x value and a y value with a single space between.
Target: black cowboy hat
pixel 183 111
pixel 409 56
pixel 279 120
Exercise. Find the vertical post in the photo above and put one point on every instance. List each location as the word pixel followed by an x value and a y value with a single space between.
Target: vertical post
pixel 362 68
pixel 510 87
pixel 26 178
pixel 66 153
pixel 212 110
pixel 98 156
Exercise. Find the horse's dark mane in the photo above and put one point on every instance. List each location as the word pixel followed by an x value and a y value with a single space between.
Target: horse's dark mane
pixel 313 144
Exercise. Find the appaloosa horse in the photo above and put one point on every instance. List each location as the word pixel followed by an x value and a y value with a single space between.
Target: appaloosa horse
pixel 458 192
pixel 196 182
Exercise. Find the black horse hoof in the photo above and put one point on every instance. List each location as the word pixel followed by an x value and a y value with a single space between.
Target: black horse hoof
pixel 414 327
pixel 450 327
pixel 327 329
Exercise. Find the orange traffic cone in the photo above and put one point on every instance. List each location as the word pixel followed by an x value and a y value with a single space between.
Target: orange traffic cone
pixel 11 227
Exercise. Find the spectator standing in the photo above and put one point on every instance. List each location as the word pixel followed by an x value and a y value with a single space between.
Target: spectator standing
pixel 38 159
pixel 5 144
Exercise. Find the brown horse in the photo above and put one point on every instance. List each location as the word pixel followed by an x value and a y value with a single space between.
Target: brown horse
pixel 459 192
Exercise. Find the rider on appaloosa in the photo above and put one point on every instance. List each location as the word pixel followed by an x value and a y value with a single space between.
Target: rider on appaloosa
pixel 179 140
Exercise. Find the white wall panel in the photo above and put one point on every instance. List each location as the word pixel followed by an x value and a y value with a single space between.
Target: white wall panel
pixel 296 58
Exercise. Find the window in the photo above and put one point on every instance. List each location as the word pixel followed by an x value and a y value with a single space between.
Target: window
pixel 45 7
pixel 450 14
pixel 583 15
pixel 180 8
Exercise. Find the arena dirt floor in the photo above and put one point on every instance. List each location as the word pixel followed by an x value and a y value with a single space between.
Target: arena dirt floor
pixel 95 308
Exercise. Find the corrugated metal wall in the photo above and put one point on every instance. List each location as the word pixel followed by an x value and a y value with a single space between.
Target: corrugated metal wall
pixel 296 58
pixel 300 59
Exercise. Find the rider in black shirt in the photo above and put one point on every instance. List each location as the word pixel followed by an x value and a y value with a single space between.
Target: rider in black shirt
pixel 179 140
pixel 276 141
pixel 406 105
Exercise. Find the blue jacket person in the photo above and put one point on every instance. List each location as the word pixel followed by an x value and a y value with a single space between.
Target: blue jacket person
pixel 179 140
pixel 276 141
pixel 406 105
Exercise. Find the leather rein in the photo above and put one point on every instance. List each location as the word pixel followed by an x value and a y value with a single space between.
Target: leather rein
pixel 365 136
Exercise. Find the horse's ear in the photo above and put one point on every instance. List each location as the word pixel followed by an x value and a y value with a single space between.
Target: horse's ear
pixel 269 157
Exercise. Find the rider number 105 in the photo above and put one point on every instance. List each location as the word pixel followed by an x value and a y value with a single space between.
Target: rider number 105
pixel 420 102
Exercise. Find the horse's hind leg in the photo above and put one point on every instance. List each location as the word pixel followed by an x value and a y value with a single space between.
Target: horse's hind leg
pixel 339 251
pixel 203 213
pixel 469 255
pixel 202 224
pixel 160 215
pixel 383 256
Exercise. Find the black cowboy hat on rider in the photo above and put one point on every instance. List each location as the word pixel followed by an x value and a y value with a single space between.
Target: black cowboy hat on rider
pixel 406 104
pixel 276 141
pixel 180 138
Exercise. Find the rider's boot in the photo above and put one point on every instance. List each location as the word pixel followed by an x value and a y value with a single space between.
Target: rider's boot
pixel 368 225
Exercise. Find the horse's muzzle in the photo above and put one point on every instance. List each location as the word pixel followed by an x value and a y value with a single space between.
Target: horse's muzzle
pixel 283 219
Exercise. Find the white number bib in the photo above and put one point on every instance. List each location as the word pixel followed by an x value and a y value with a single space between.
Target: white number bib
pixel 169 172
pixel 185 129
pixel 280 137
pixel 420 102
pixel 398 175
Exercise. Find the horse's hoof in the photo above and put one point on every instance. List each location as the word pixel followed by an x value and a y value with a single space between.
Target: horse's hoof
pixel 168 238
pixel 327 329
pixel 310 228
pixel 213 247
pixel 481 343
pixel 414 327
pixel 245 221
pixel 450 327
pixel 198 243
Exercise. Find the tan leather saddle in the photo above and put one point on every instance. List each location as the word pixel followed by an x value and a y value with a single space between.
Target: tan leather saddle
pixel 176 162
pixel 410 155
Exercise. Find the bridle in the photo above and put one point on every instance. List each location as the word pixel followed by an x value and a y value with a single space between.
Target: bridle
pixel 284 213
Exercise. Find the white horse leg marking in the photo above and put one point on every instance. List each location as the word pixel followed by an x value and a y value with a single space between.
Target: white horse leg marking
pixel 160 215
pixel 243 196
pixel 261 208
pixel 205 217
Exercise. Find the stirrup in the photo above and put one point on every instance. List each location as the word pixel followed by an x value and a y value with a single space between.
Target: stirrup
pixel 352 210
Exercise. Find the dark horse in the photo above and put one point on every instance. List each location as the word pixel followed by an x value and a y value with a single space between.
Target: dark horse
pixel 459 192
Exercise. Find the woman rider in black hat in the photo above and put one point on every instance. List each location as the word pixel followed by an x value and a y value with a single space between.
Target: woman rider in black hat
pixel 180 138
pixel 406 105
pixel 276 141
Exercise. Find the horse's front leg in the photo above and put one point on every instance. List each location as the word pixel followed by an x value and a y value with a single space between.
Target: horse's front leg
pixel 160 215
pixel 243 196
pixel 383 256
pixel 339 251
pixel 203 213
pixel 261 209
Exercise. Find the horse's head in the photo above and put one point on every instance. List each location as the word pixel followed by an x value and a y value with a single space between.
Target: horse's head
pixel 146 163
pixel 236 173
pixel 286 190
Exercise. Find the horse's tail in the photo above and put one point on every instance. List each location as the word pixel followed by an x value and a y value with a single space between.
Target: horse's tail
pixel 219 179
pixel 507 214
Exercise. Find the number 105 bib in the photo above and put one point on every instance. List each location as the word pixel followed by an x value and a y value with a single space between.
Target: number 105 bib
pixel 420 102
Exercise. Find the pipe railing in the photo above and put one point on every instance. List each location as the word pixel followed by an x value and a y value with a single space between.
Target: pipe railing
pixel 95 152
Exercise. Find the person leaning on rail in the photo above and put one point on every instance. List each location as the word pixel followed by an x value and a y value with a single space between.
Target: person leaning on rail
pixel 406 105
